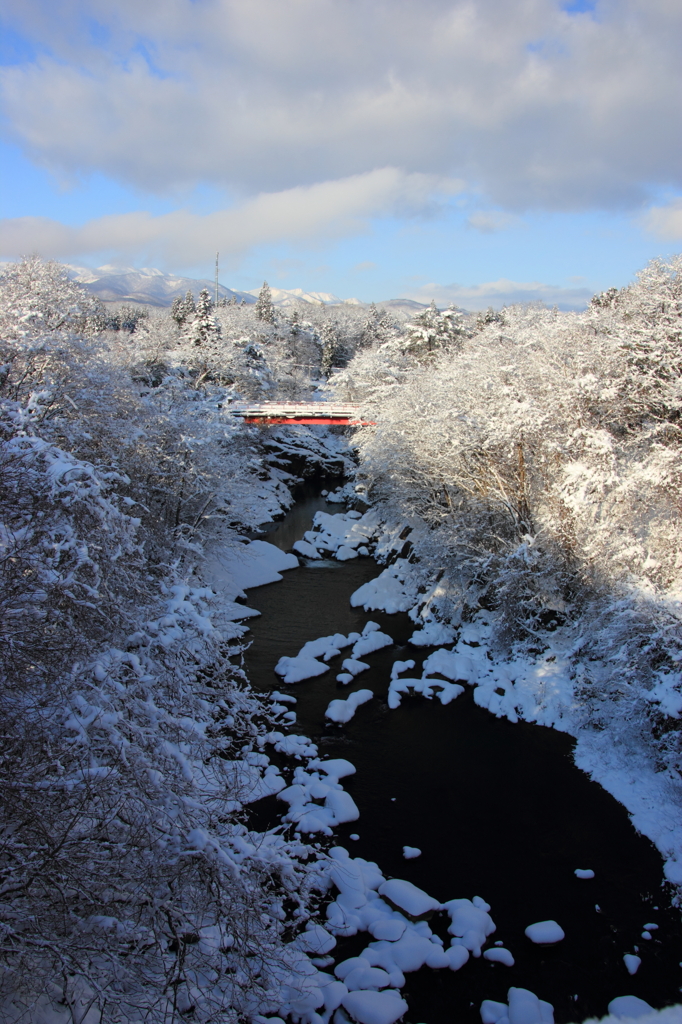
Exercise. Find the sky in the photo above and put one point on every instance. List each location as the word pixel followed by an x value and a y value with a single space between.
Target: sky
pixel 477 152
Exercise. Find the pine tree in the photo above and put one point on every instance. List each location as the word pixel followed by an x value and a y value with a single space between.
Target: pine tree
pixel 433 330
pixel 330 347
pixel 377 327
pixel 183 310
pixel 264 307
pixel 204 327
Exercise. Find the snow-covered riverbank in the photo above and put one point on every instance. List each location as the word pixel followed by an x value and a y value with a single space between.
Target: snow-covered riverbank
pixel 311 671
pixel 542 690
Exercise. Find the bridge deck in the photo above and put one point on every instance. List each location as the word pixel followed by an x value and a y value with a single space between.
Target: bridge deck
pixel 272 413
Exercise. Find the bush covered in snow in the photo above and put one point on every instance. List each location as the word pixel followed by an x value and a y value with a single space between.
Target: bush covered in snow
pixel 130 882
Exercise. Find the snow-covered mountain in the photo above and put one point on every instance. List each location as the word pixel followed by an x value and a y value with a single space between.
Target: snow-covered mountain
pixel 282 297
pixel 146 285
pixel 154 288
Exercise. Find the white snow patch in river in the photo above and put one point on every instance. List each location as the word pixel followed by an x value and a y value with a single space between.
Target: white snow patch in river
pixel 232 570
pixel 388 592
pixel 342 711
pixel 545 933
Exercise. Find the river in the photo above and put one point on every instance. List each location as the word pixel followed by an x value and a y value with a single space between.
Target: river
pixel 499 810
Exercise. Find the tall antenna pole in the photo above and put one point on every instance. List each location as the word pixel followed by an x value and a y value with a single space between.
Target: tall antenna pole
pixel 216 277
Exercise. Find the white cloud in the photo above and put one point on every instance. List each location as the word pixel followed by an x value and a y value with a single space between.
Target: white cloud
pixel 327 209
pixel 501 293
pixel 665 221
pixel 537 106
pixel 490 221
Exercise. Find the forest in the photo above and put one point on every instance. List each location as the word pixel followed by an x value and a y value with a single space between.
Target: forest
pixel 525 463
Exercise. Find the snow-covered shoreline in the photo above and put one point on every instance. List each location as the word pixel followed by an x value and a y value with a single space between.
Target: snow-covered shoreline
pixel 541 699
pixel 540 690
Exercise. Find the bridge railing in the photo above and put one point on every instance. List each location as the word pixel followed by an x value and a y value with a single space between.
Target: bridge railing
pixel 299 412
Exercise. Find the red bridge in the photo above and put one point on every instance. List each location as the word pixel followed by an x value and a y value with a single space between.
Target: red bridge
pixel 272 413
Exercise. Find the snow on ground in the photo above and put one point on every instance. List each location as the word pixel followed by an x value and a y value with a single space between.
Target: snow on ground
pixel 392 591
pixel 234 569
pixel 652 799
pixel 431 634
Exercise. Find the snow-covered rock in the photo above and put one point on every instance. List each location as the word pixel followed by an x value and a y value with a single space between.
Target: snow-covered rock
pixel 629 1007
pixel 545 933
pixel 408 897
pixel 341 711
pixel 375 1007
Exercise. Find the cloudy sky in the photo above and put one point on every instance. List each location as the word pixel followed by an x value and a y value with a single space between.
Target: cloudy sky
pixel 476 151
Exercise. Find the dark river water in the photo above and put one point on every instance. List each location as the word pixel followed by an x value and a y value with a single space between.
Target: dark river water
pixel 499 810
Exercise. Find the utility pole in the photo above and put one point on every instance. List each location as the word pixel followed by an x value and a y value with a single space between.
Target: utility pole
pixel 216 277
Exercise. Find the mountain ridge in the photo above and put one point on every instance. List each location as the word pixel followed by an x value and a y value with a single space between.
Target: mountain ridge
pixel 152 287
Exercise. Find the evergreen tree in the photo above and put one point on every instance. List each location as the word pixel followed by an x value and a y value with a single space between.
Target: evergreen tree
pixel 378 327
pixel 330 348
pixel 183 310
pixel 433 330
pixel 204 327
pixel 264 307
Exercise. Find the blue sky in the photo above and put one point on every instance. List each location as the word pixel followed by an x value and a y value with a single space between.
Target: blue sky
pixel 480 153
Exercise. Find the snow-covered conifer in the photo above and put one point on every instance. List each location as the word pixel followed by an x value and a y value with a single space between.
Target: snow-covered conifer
pixel 433 330
pixel 183 310
pixel 264 308
pixel 204 328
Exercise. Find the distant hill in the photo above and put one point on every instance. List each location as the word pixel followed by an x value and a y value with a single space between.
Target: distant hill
pixel 151 287
pixel 282 297
pixel 408 306
pixel 147 285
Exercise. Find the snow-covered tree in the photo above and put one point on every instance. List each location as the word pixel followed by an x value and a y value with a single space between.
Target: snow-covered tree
pixel 378 327
pixel 183 310
pixel 129 883
pixel 264 308
pixel 37 297
pixel 433 330
pixel 330 348
pixel 204 328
